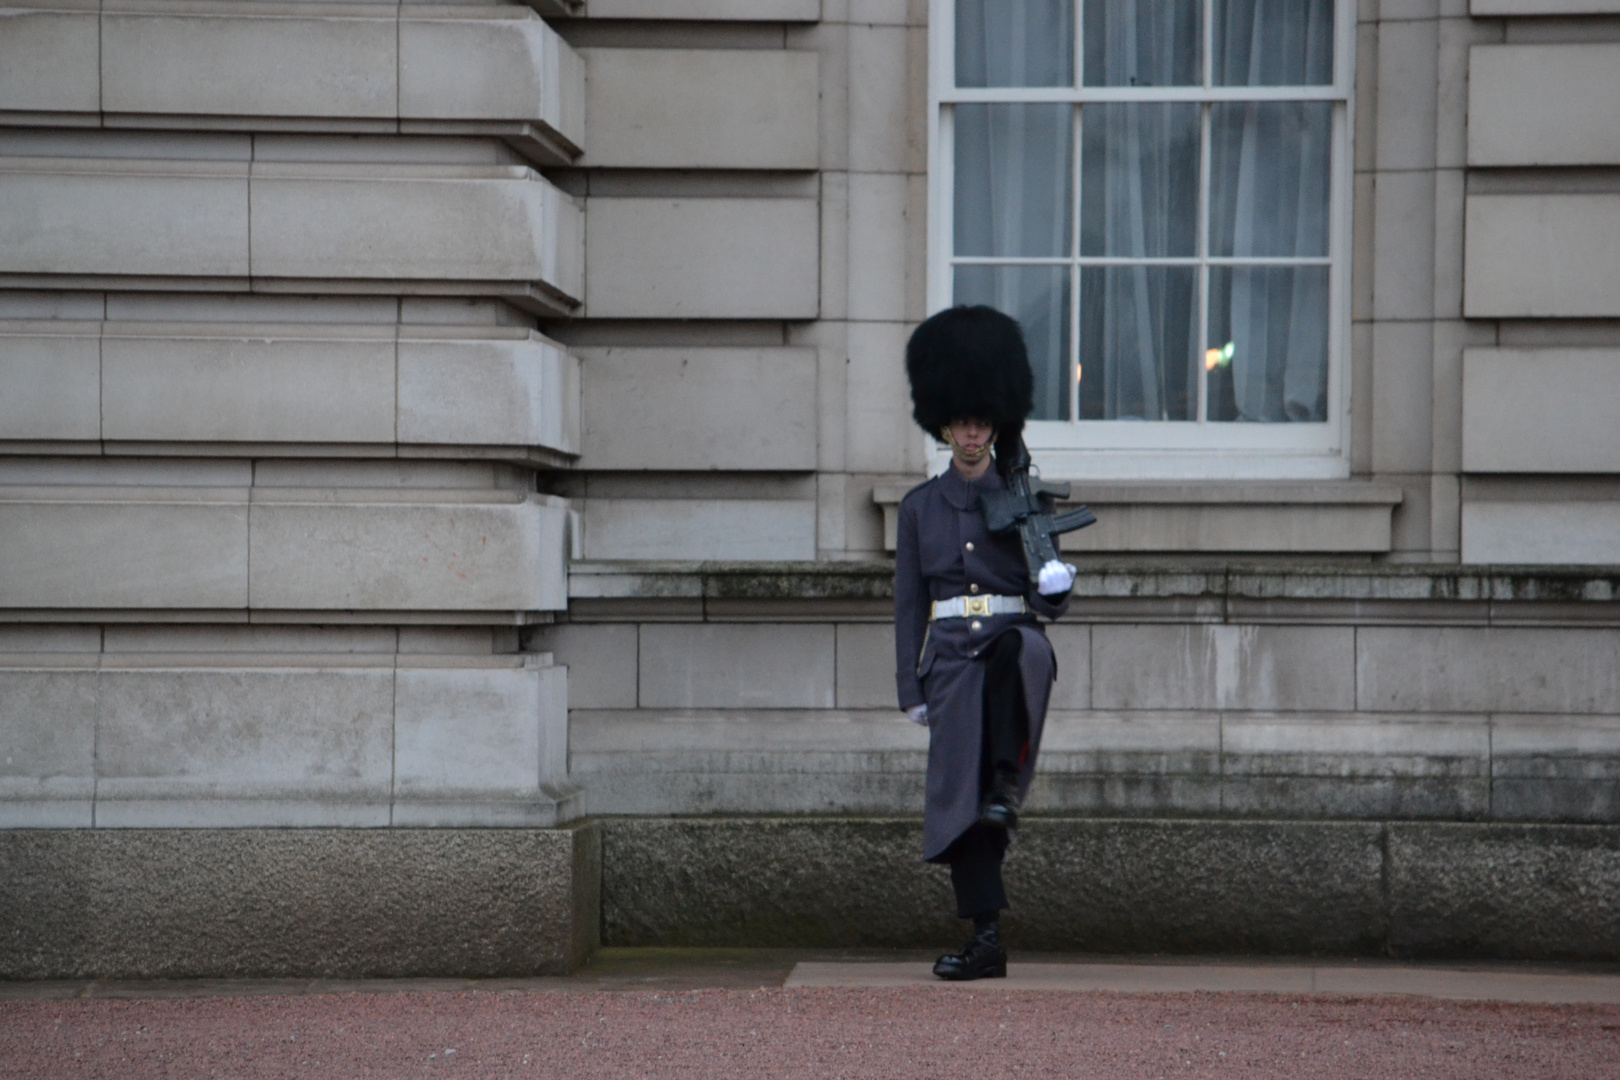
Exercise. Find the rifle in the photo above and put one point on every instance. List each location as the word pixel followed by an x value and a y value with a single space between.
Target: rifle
pixel 1030 506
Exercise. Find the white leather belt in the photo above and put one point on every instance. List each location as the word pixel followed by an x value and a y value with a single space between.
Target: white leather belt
pixel 960 607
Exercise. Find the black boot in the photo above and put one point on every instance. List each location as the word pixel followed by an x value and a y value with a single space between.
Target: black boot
pixel 983 957
pixel 1001 805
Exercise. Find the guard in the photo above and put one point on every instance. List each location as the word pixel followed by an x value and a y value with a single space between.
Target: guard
pixel 972 662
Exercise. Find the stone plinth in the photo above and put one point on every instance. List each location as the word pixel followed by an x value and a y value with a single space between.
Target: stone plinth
pixel 318 903
pixel 1114 886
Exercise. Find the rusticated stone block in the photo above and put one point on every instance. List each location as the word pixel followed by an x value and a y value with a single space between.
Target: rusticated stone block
pixel 1223 667
pixel 627 395
pixel 168 551
pixel 223 63
pixel 1094 884
pixel 1564 256
pixel 52 376
pixel 1555 768
pixel 753 529
pixel 1545 892
pixel 702 108
pixel 1540 411
pixel 317 903
pixel 720 666
pixel 1196 886
pixel 186 745
pixel 1540 104
pixel 1563 671
pixel 716 10
pixel 87 216
pixel 708 258
pixel 772 881
pixel 248 384
pixel 500 553
pixel 49 56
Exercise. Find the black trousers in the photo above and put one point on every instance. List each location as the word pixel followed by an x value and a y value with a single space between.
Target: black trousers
pixel 975 857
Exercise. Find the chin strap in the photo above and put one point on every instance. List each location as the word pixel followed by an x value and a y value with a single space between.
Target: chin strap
pixel 969 455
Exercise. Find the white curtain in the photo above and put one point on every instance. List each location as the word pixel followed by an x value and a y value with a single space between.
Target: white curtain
pixel 1014 196
pixel 1014 43
pixel 1014 185
pixel 1139 198
pixel 1269 190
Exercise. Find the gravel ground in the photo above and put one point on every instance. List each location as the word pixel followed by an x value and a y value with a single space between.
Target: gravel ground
pixel 805 1033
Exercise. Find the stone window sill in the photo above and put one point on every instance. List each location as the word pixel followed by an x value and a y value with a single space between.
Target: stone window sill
pixel 1328 517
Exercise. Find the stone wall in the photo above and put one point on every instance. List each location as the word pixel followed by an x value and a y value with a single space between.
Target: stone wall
pixel 272 401
pixel 1293 692
pixel 330 336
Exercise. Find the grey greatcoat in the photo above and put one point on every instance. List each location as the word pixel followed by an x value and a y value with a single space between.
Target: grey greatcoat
pixel 943 550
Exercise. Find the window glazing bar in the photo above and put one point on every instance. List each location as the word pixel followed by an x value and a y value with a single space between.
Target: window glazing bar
pixel 1201 370
pixel 1204 165
pixel 1075 373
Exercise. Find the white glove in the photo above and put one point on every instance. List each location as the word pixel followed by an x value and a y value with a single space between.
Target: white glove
pixel 918 714
pixel 1056 578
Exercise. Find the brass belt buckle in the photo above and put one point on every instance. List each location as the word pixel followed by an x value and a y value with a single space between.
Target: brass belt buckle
pixel 978 605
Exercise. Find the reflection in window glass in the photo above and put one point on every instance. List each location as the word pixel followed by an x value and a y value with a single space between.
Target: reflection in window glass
pixel 1273 43
pixel 1014 43
pixel 1139 180
pixel 1138 337
pixel 1268 337
pixel 1038 297
pixel 1013 180
pixel 1143 42
pixel 1269 178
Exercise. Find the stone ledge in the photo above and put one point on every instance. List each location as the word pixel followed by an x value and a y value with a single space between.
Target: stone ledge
pixel 1346 888
pixel 1186 589
pixel 314 903
pixel 1328 517
pixel 305 67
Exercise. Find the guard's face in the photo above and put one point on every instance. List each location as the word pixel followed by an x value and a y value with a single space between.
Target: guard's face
pixel 970 438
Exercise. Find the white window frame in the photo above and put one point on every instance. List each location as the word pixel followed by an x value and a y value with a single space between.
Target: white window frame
pixel 1182 449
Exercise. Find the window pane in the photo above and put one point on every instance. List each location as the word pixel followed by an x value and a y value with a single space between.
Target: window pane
pixel 1268 336
pixel 1014 43
pixel 1013 169
pixel 1137 343
pixel 1269 178
pixel 1038 297
pixel 1139 180
pixel 1144 42
pixel 1273 42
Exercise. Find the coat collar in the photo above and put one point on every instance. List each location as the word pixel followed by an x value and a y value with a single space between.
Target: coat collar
pixel 963 493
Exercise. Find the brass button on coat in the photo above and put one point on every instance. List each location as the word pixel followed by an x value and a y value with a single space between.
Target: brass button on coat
pixel 973 588
pixel 976 624
pixel 970 545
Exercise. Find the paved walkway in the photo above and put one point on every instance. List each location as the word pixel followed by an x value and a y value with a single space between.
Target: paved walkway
pixel 749 969
pixel 786 1015
pixel 1479 983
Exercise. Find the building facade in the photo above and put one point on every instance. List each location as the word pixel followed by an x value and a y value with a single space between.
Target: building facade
pixel 449 457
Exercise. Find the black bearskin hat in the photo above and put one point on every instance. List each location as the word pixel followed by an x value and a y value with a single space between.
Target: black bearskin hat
pixel 970 363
